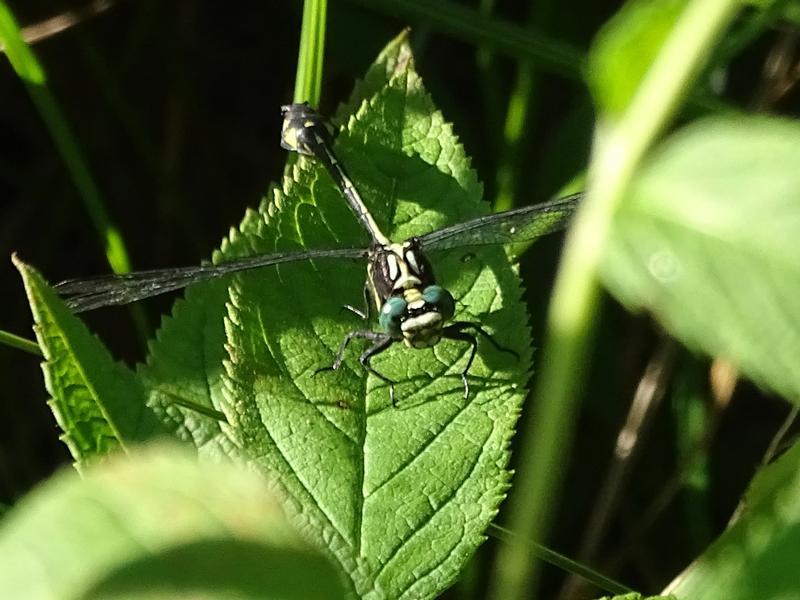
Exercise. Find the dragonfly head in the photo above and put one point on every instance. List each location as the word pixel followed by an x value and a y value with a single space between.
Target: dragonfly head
pixel 417 316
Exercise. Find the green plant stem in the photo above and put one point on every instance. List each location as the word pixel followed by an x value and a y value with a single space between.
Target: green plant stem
pixel 618 149
pixel 310 57
pixel 559 560
pixel 521 106
pixel 20 343
pixel 490 86
pixel 32 74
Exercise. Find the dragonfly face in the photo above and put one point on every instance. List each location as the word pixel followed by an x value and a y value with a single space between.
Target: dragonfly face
pixel 410 305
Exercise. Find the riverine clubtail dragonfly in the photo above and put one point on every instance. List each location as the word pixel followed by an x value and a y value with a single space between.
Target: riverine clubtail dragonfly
pixel 400 283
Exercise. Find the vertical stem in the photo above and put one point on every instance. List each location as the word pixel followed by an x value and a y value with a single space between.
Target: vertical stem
pixel 618 149
pixel 32 74
pixel 310 58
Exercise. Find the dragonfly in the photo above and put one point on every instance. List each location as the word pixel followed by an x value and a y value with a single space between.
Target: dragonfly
pixel 400 284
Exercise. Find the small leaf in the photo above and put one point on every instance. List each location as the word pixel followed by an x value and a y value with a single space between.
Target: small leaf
pixel 97 402
pixel 400 496
pixel 707 240
pixel 157 525
pixel 625 48
pixel 756 557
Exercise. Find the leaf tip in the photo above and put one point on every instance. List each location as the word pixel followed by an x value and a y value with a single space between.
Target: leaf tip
pixel 20 264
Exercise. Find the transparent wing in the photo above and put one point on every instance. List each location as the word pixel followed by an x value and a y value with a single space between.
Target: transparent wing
pixel 112 290
pixel 518 225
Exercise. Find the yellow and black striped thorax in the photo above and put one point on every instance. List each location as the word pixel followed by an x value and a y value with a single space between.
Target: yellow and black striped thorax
pixel 410 305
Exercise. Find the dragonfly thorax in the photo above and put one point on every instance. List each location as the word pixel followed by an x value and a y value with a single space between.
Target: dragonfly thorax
pixel 411 306
pixel 394 268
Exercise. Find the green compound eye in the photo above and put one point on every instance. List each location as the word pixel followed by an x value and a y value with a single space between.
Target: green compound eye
pixel 391 311
pixel 441 299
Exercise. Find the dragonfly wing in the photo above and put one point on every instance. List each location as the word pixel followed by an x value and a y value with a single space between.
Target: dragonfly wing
pixel 113 290
pixel 517 225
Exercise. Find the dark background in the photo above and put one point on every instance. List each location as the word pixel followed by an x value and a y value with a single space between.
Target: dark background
pixel 176 106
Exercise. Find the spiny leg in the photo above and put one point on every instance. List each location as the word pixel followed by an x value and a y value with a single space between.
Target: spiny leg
pixel 381 341
pixel 462 325
pixel 365 314
pixel 456 332
pixel 470 339
pixel 379 346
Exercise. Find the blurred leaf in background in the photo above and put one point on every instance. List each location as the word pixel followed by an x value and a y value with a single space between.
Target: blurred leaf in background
pixel 156 524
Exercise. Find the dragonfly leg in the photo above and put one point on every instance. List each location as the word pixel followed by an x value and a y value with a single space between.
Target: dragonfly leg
pixel 381 342
pixel 456 332
pixel 462 325
pixel 366 313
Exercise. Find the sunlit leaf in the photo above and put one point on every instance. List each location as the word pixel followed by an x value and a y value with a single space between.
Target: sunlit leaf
pixel 98 403
pixel 707 241
pixel 400 496
pixel 756 557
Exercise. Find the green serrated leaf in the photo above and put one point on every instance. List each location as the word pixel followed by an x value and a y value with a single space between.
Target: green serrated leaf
pixel 185 366
pixel 757 556
pixel 158 525
pixel 625 48
pixel 399 496
pixel 707 241
pixel 97 402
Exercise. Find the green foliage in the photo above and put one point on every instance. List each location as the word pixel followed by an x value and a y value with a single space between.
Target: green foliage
pixel 156 524
pixel 30 71
pixel 348 458
pixel 17 51
pixel 706 241
pixel 625 49
pixel 97 402
pixel 398 497
pixel 756 557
